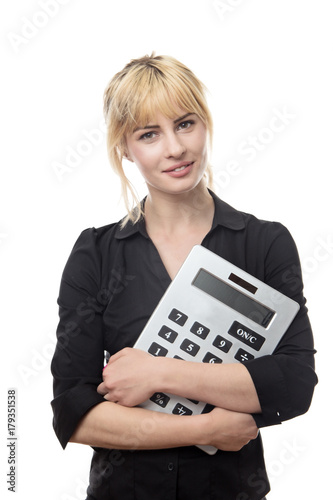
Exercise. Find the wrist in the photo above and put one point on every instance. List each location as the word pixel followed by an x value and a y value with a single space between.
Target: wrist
pixel 162 373
pixel 201 429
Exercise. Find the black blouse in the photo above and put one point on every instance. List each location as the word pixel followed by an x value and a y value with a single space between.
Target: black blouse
pixel 112 282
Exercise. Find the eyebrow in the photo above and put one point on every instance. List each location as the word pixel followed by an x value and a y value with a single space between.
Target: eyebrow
pixel 157 126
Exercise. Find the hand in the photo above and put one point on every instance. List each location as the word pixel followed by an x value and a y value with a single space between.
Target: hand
pixel 230 430
pixel 128 377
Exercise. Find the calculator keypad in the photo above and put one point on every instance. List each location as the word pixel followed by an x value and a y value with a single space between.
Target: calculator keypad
pixel 189 339
pixel 236 330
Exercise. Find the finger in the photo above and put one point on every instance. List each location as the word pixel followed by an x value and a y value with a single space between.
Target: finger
pixel 118 355
pixel 101 389
pixel 108 397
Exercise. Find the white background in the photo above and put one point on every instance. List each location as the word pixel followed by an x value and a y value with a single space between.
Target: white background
pixel 255 57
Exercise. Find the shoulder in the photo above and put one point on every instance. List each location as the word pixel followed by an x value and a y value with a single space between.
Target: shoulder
pixel 270 241
pixel 92 252
pixel 247 224
pixel 266 231
pixel 97 239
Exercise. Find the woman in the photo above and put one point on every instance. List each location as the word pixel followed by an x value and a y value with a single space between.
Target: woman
pixel 158 119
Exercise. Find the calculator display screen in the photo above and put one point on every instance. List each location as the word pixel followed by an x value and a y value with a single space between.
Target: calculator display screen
pixel 233 298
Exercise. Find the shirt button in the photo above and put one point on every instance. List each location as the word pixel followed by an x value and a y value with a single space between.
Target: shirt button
pixel 170 466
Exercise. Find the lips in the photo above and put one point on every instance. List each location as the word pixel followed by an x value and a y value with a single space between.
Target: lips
pixel 179 167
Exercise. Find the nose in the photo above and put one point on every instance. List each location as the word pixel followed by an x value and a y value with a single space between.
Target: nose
pixel 174 147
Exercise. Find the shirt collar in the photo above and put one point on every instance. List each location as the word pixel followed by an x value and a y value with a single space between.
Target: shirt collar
pixel 224 215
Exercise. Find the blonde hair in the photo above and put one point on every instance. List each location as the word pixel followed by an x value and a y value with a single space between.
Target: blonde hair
pixel 132 97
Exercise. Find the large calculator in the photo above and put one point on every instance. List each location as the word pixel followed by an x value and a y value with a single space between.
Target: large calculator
pixel 213 312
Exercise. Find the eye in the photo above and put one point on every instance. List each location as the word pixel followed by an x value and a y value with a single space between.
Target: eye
pixel 147 136
pixel 186 124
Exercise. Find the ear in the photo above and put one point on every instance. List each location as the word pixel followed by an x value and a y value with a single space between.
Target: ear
pixel 126 155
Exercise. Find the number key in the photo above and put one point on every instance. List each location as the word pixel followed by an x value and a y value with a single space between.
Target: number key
pixel 200 330
pixel 211 358
pixel 157 350
pixel 178 317
pixel 222 343
pixel 189 347
pixel 168 334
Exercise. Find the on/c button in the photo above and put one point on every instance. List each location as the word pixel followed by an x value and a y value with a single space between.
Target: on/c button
pixel 246 335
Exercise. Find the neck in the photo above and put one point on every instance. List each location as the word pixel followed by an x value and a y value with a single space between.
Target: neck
pixel 171 212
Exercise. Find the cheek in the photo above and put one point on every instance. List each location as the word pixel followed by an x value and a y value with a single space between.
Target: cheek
pixel 201 145
pixel 201 140
pixel 145 158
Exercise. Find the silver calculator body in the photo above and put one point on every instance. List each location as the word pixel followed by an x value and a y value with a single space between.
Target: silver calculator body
pixel 213 312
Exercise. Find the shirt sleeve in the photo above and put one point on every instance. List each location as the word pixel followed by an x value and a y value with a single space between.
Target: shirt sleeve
pixel 286 379
pixel 78 360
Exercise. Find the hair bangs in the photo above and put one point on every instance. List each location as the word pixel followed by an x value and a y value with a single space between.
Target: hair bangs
pixel 156 92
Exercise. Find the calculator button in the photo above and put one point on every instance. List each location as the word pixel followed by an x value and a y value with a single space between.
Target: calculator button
pixel 194 401
pixel 181 410
pixel 157 350
pixel 211 358
pixel 160 399
pixel 208 408
pixel 222 344
pixel 200 330
pixel 178 317
pixel 189 347
pixel 168 334
pixel 242 355
pixel 178 357
pixel 246 335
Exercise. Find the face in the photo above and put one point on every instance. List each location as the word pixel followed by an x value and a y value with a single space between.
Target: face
pixel 171 154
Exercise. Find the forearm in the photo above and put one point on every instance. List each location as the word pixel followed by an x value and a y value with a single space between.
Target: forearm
pixel 132 376
pixel 110 425
pixel 228 386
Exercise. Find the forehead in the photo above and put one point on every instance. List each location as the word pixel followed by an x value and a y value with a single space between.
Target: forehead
pixel 156 105
pixel 158 118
